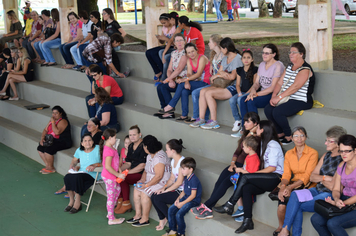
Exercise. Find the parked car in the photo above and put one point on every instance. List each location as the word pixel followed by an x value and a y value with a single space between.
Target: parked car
pixel 287 5
pixel 350 6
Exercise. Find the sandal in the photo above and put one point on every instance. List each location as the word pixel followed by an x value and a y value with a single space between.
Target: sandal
pixel 171 115
pixel 5 98
pixel 182 118
pixel 169 111
pixel 189 121
pixel 46 172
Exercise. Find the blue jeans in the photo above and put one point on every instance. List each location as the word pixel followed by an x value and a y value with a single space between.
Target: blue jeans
pixel 176 216
pixel 102 128
pixel 217 8
pixel 88 63
pixel 38 49
pixel 335 226
pixel 294 211
pixel 92 109
pixel 164 94
pixel 258 102
pixel 183 93
pixel 81 49
pixel 65 51
pixel 229 13
pixel 234 103
pixel 154 59
pixel 168 59
pixel 46 49
pixel 195 98
pixel 76 53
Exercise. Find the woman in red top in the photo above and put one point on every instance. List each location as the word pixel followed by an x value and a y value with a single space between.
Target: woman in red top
pixel 192 33
pixel 106 82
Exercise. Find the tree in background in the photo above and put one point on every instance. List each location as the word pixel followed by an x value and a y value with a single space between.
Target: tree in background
pixel 88 5
pixel 143 12
pixel 201 6
pixel 277 8
pixel 223 7
pixel 295 14
pixel 210 6
pixel 263 9
pixel 177 6
pixel 191 6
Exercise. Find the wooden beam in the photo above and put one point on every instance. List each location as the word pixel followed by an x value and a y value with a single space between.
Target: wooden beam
pixel 66 6
pixel 9 5
pixel 315 32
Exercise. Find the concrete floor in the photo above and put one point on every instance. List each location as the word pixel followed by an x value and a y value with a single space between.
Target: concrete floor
pixel 29 207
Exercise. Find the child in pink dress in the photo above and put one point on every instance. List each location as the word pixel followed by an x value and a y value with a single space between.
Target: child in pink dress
pixel 110 172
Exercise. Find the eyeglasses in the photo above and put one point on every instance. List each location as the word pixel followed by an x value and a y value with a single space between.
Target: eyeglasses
pixel 293 53
pixel 299 136
pixel 267 53
pixel 91 16
pixel 330 141
pixel 94 74
pixel 345 151
pixel 104 13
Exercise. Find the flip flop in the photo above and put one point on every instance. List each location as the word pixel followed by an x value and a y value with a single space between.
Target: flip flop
pixel 59 193
pixel 182 119
pixel 66 196
pixel 167 117
pixel 46 172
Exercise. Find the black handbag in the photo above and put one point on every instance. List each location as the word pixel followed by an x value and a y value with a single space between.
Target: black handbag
pixel 48 140
pixel 328 210
pixel 49 32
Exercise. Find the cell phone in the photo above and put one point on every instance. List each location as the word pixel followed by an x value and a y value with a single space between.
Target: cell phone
pixel 96 27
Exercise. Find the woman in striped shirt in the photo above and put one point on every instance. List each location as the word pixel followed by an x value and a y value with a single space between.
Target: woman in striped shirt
pixel 297 82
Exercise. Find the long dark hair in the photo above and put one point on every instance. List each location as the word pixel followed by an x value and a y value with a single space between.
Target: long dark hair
pixel 254 118
pixel 250 72
pixel 274 50
pixel 185 20
pixel 175 16
pixel 269 134
pixel 55 15
pixel 112 17
pixel 81 140
pixel 229 45
pixel 106 135
pixel 60 110
pixel 102 96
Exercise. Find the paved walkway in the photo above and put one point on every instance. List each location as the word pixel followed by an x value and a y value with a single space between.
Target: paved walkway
pixel 29 207
pixel 249 28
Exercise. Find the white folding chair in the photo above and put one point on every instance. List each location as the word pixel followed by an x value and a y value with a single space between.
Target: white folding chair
pixel 96 182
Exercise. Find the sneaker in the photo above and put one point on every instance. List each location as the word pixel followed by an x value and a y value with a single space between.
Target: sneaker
pixel 237 126
pixel 237 213
pixel 213 124
pixel 237 135
pixel 197 210
pixel 197 123
pixel 285 141
pixel 205 214
pixel 76 67
pixel 239 219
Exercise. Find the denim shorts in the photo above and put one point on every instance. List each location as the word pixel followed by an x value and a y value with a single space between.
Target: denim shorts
pixel 232 89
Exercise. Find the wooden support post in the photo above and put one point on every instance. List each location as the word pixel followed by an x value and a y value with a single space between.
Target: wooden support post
pixel 9 5
pixel 66 6
pixel 315 32
pixel 154 8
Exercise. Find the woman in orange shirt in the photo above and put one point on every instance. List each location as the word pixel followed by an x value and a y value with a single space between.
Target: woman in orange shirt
pixel 299 162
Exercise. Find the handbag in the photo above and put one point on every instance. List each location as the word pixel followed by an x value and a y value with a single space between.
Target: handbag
pixel 274 194
pixel 221 83
pixel 328 210
pixel 48 140
pixel 286 98
pixel 49 32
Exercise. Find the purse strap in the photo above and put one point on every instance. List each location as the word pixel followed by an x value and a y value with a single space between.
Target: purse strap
pixel 295 72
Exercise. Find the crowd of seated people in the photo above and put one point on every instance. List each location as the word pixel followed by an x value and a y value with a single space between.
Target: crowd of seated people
pixel 180 66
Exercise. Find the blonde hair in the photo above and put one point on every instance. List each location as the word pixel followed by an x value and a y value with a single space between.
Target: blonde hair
pixel 14 59
pixel 13 15
pixel 24 55
pixel 216 38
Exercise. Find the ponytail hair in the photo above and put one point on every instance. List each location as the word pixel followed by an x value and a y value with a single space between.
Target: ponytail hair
pixel 176 145
pixel 174 15
pixel 185 20
pixel 106 135
pixel 250 71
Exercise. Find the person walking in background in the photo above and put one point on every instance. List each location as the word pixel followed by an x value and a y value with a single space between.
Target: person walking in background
pixel 229 10
pixel 217 4
pixel 236 6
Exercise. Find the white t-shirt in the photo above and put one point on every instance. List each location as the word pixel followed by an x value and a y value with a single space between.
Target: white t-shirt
pixel 86 28
pixel 274 156
pixel 175 171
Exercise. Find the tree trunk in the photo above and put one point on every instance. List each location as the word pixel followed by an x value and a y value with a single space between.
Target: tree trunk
pixel 177 6
pixel 191 6
pixel 295 14
pixel 88 5
pixel 143 12
pixel 263 9
pixel 201 6
pixel 277 9
pixel 223 7
pixel 210 6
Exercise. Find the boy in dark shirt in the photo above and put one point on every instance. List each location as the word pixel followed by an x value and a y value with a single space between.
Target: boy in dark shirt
pixel 190 197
